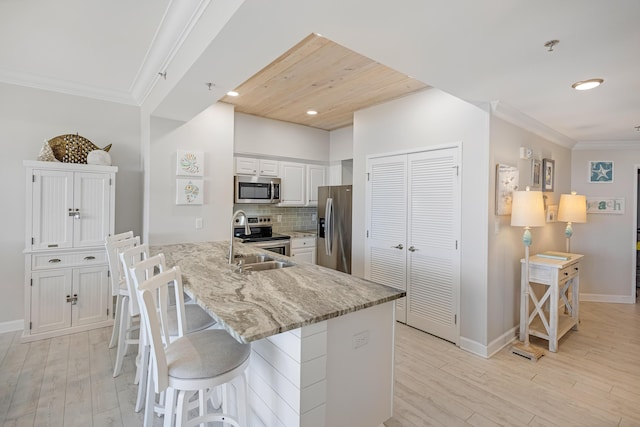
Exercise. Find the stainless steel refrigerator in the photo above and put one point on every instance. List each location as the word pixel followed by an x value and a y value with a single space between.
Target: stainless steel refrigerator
pixel 334 227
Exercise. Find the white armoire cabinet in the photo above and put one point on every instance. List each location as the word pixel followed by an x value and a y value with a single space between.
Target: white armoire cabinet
pixel 413 229
pixel 69 212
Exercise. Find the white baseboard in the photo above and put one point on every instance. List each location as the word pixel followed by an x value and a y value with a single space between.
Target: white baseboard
pixel 12 326
pixel 616 299
pixel 494 346
pixel 473 347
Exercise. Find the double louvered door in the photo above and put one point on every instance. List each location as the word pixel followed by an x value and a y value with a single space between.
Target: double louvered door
pixel 413 227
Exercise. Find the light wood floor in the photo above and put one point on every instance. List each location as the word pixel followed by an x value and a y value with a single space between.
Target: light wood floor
pixel 594 380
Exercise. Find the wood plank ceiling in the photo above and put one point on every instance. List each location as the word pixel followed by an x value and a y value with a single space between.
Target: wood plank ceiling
pixel 318 74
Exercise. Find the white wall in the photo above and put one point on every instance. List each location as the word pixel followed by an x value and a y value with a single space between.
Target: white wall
pixel 607 240
pixel 273 138
pixel 341 144
pixel 211 132
pixel 505 242
pixel 424 119
pixel 28 117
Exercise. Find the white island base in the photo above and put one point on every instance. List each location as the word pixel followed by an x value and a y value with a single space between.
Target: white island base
pixel 338 372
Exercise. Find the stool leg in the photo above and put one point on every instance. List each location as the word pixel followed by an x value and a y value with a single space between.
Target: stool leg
pixel 169 407
pixel 122 332
pixel 144 374
pixel 150 403
pixel 116 322
pixel 241 398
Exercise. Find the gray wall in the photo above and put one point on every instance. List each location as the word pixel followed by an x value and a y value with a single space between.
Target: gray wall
pixel 418 121
pixel 607 240
pixel 29 117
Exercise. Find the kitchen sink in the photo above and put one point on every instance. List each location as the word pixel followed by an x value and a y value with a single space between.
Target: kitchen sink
pixel 252 259
pixel 264 265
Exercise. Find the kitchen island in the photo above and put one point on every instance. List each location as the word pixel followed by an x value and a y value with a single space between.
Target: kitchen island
pixel 322 341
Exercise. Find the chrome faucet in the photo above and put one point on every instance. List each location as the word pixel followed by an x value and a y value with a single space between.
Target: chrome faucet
pixel 247 231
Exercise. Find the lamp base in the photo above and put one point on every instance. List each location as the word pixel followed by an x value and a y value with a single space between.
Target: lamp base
pixel 527 351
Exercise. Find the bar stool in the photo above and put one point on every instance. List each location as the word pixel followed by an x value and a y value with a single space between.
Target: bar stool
pixel 123 322
pixel 112 259
pixel 192 364
pixel 140 267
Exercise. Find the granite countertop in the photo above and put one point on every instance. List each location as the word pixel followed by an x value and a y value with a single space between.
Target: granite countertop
pixel 296 234
pixel 255 305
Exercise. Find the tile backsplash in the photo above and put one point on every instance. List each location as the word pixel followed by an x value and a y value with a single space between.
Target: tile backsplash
pixel 293 219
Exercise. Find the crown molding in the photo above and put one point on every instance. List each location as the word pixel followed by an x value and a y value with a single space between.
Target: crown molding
pixel 177 22
pixel 70 88
pixel 511 115
pixel 608 145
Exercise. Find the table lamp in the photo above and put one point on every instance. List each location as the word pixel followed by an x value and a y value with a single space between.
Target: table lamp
pixel 572 209
pixel 527 210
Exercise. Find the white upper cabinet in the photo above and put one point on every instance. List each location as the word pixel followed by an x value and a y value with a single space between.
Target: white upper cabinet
pixel 70 208
pixel 257 167
pixel 292 186
pixel 316 177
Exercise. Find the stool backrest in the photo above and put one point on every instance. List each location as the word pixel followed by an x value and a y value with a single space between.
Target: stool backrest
pixel 128 259
pixel 153 307
pixel 114 246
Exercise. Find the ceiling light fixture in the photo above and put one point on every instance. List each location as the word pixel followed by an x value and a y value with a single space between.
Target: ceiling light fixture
pixel 232 93
pixel 587 84
pixel 312 112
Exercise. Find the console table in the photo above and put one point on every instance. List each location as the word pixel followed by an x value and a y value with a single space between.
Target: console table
pixel 561 278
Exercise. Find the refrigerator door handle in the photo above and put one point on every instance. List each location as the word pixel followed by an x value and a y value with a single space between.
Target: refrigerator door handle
pixel 328 227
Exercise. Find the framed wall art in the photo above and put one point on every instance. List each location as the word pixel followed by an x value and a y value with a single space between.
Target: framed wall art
pixel 548 174
pixel 190 163
pixel 605 205
pixel 600 171
pixel 506 184
pixel 189 191
pixel 536 173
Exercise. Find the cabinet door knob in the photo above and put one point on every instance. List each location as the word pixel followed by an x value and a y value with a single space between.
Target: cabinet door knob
pixel 398 246
pixel 89 258
pixel 54 260
pixel 412 249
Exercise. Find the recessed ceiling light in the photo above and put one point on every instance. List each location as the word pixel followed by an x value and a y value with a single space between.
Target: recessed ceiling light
pixel 312 112
pixel 232 93
pixel 587 84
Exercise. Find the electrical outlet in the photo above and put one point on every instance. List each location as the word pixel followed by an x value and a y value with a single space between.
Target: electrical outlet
pixel 279 218
pixel 314 217
pixel 198 223
pixel 360 339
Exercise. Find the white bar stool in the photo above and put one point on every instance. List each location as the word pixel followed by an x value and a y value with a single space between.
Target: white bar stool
pixel 192 364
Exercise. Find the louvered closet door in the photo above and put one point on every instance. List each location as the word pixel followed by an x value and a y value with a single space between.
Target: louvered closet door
pixel 91 199
pixel 432 239
pixel 386 220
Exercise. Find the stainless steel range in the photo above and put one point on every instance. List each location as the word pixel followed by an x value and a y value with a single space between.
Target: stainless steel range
pixel 262 235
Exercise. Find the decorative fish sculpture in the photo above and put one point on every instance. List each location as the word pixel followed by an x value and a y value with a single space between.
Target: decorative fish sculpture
pixel 73 148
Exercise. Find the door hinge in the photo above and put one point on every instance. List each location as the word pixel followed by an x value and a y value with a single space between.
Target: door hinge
pixel 108 273
pixel 457 169
pixel 455 319
pixel 33 240
pixel 368 176
pixel 109 181
pixel 367 233
pixel 33 178
pixel 107 312
pixel 30 325
pixel 456 244
pixel 31 280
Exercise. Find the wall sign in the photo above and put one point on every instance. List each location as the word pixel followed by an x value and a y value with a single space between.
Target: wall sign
pixel 605 205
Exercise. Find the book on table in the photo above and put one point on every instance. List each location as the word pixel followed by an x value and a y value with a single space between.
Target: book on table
pixel 562 256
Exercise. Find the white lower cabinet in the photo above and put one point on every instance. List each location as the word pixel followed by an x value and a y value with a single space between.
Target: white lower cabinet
pixel 66 298
pixel 303 249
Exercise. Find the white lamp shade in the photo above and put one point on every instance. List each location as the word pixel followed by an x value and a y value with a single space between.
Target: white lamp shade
pixel 527 209
pixel 573 208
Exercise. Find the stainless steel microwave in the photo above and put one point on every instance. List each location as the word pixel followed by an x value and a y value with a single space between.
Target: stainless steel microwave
pixel 256 190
